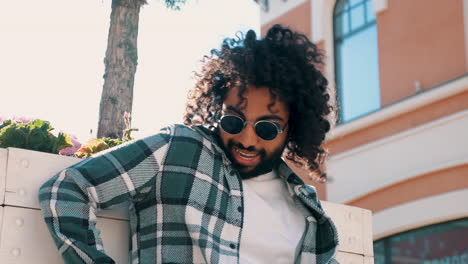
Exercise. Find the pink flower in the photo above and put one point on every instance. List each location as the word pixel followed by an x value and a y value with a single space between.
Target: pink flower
pixel 71 150
pixel 22 119
pixel 25 120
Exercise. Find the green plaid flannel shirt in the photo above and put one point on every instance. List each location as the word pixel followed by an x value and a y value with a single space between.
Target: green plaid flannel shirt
pixel 186 203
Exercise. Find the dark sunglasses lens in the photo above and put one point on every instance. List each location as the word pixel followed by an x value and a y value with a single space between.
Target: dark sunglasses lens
pixel 266 130
pixel 232 124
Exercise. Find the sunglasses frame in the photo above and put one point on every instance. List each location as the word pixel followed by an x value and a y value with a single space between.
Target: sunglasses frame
pixel 279 130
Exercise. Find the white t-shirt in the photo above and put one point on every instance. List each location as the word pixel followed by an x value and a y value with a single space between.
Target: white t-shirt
pixel 273 226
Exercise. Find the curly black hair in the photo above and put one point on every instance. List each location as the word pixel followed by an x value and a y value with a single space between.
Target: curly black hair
pixel 284 61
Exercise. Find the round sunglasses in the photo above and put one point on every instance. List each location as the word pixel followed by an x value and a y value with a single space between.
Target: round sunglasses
pixel 266 130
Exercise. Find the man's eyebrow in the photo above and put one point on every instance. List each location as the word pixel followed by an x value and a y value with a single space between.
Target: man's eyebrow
pixel 264 117
pixel 269 117
pixel 235 109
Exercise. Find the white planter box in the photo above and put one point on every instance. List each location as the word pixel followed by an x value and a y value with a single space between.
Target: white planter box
pixel 24 237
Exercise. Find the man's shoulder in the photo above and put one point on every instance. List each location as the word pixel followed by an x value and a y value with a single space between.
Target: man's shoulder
pixel 197 133
pixel 184 136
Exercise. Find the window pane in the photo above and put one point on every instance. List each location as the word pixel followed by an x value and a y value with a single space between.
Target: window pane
pixel 358 75
pixel 370 11
pixel 345 23
pixel 338 26
pixel 341 25
pixel 355 2
pixel 379 253
pixel 341 5
pixel 357 17
pixel 446 243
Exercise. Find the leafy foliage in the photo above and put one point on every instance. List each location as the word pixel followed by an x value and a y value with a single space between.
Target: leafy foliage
pixel 34 135
pixel 98 144
pixel 175 4
pixel 91 147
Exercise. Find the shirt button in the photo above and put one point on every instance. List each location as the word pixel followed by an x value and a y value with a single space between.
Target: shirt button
pixel 232 246
pixel 239 208
pixel 297 189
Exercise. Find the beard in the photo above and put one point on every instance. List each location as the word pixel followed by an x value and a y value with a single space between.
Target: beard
pixel 268 162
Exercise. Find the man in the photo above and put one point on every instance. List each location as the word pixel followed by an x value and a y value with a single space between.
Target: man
pixel 215 190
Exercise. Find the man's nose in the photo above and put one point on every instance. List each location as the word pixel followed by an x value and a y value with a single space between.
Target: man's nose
pixel 248 137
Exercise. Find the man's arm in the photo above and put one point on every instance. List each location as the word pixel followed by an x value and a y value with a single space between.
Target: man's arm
pixel 69 200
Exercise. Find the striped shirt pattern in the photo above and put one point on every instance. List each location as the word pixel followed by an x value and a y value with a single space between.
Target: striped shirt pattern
pixel 186 202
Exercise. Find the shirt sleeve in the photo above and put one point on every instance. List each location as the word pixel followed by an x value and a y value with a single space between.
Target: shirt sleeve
pixel 70 199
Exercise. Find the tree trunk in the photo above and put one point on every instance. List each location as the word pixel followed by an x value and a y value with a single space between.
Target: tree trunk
pixel 120 67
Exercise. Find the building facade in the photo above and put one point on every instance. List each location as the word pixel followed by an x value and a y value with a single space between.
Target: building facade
pixel 399 73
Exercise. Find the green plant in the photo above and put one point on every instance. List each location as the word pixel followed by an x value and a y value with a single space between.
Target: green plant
pixel 99 144
pixel 33 135
pixel 96 145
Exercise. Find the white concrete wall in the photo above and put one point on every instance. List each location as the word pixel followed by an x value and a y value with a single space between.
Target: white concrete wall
pixel 3 168
pixel 421 212
pixel 24 237
pixel 433 146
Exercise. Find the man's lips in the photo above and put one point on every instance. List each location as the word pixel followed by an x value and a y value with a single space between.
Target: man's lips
pixel 244 157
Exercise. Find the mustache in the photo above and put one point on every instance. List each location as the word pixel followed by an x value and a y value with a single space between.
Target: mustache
pixel 232 144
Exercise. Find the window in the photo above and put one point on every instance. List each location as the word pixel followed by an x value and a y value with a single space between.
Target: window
pixel 445 243
pixel 356 58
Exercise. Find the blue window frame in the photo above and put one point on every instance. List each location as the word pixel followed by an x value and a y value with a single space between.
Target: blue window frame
pixel 356 59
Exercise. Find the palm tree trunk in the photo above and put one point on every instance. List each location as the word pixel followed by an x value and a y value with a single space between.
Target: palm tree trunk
pixel 120 67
